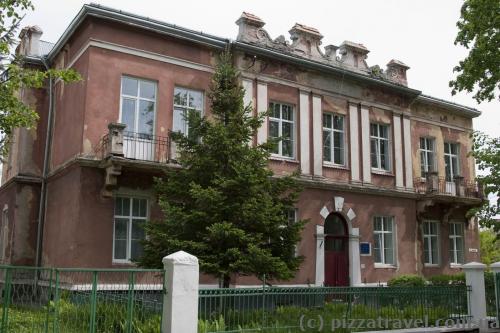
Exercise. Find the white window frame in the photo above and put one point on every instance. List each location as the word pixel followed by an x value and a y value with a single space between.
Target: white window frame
pixel 451 156
pixel 378 140
pixel 424 155
pixel 432 239
pixel 454 239
pixel 331 132
pixel 280 122
pixel 129 225
pixel 137 99
pixel 384 233
pixel 187 108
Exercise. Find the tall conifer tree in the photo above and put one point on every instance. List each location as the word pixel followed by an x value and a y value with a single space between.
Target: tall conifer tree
pixel 224 204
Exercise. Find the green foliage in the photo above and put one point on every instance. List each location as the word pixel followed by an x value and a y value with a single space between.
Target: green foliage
pixel 490 247
pixel 486 152
pixel 479 31
pixel 224 205
pixel 447 280
pixel 406 280
pixel 14 76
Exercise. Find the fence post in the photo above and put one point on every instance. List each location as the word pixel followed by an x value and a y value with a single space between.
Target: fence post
pixel 474 277
pixel 495 268
pixel 180 303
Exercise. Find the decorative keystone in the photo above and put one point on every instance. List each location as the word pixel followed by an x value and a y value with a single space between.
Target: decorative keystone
pixel 396 72
pixel 115 140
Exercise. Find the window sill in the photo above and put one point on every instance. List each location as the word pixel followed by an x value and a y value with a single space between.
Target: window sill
pixel 432 265
pixel 382 172
pixel 126 263
pixel 335 166
pixel 456 266
pixel 279 158
pixel 385 266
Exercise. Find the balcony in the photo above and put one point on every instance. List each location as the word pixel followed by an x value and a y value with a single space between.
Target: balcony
pixel 433 185
pixel 133 146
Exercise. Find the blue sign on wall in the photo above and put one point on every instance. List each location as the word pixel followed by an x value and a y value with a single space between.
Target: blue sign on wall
pixel 365 249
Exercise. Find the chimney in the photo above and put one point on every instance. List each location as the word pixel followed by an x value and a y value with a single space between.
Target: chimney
pixel 354 55
pixel 249 27
pixel 396 72
pixel 30 41
pixel 306 40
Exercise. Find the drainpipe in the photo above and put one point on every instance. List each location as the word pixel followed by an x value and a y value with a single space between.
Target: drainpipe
pixel 43 191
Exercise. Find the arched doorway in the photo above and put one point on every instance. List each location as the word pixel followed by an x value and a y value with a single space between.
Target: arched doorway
pixel 336 251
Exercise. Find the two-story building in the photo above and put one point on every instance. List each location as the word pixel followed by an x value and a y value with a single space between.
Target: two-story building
pixel 386 173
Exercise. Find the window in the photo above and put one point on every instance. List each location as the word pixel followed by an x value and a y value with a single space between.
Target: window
pixel 185 100
pixel 4 233
pixel 379 141
pixel 333 138
pixel 383 248
pixel 130 216
pixel 456 233
pixel 427 159
pixel 138 104
pixel 281 125
pixel 431 243
pixel 451 160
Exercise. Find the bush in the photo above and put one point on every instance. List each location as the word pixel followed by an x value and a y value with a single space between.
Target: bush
pixel 448 280
pixel 407 280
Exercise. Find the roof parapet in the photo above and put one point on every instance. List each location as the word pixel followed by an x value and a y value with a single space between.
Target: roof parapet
pixel 396 72
pixel 306 41
pixel 354 55
pixel 30 41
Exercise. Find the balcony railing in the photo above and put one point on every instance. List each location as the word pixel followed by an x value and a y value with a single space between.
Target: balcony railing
pixel 460 187
pixel 132 145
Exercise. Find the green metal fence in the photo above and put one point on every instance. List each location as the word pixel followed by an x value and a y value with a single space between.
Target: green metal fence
pixel 80 300
pixel 278 309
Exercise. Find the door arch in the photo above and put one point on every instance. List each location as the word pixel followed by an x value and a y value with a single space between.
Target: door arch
pixel 336 251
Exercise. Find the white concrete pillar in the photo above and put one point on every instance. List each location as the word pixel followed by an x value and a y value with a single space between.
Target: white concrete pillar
pixel 320 255
pixel 495 268
pixel 407 152
pixel 354 262
pixel 354 142
pixel 398 151
pixel 317 136
pixel 305 162
pixel 247 84
pixel 474 277
pixel 262 106
pixel 365 144
pixel 180 303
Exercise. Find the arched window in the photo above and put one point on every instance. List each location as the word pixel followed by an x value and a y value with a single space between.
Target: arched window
pixel 335 226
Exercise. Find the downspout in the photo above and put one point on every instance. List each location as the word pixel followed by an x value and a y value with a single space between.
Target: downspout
pixel 43 191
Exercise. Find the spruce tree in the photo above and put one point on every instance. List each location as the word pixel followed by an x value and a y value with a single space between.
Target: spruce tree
pixel 223 204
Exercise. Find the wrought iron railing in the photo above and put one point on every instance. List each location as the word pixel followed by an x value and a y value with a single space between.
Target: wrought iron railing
pixel 441 185
pixel 137 146
pixel 80 300
pixel 280 309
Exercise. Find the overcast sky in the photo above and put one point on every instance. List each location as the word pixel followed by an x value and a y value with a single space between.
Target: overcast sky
pixel 419 33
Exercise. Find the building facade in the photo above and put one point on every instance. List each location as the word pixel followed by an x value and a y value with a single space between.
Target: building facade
pixel 386 173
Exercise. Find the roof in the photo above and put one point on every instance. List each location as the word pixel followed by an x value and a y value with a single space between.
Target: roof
pixel 49 50
pixel 45 47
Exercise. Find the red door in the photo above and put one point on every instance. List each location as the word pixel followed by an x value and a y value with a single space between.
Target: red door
pixel 336 252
